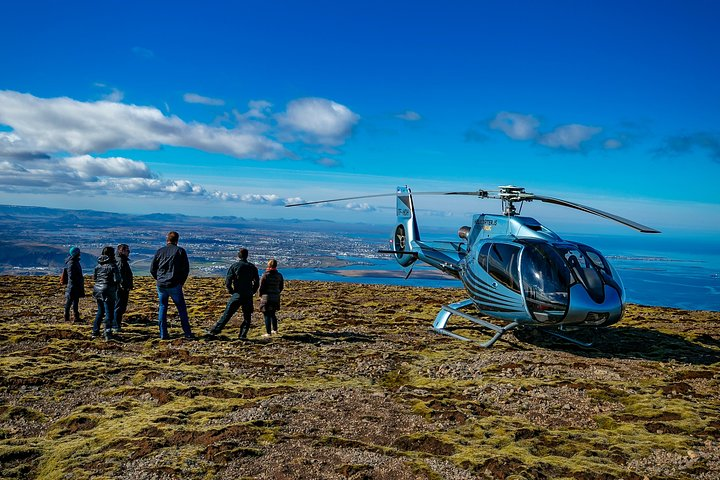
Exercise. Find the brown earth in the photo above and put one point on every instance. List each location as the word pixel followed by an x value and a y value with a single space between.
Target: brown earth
pixel 356 386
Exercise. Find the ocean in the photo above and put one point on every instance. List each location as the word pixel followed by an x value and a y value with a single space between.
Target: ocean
pixel 656 270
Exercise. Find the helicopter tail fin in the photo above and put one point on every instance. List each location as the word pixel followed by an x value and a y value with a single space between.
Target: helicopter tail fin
pixel 406 232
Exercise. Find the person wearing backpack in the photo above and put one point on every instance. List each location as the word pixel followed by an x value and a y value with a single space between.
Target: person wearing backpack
pixel 107 278
pixel 75 284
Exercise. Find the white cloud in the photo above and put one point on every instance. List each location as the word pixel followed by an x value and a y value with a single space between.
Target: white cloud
pixel 257 109
pixel 54 145
pixel 360 207
pixel 195 98
pixel 516 125
pixel 409 115
pixel 107 167
pixel 255 199
pixel 568 137
pixel 318 120
pixel 67 125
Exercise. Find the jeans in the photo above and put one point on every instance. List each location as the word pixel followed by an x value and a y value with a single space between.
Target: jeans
pixel 270 321
pixel 234 303
pixel 121 306
pixel 71 301
pixel 106 308
pixel 164 295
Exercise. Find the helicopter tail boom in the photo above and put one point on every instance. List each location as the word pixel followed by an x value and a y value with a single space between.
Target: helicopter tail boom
pixel 406 243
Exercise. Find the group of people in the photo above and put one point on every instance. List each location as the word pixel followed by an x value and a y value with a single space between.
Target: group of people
pixel 170 268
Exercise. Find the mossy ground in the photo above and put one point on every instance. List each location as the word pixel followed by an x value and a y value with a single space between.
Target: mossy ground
pixel 356 386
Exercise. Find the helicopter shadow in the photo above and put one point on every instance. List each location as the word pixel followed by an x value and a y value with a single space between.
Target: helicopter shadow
pixel 324 338
pixel 630 343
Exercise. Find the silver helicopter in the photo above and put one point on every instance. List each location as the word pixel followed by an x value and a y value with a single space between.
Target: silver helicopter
pixel 516 271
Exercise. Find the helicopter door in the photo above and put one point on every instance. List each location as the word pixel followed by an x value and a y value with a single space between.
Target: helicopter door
pixel 546 282
pixel 503 264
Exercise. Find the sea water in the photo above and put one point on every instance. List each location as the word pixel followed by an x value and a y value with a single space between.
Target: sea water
pixel 658 271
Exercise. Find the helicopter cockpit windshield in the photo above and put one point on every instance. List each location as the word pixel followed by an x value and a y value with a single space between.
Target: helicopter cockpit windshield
pixel 549 270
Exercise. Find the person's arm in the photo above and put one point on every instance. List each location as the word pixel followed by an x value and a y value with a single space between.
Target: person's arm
pixel 261 287
pixel 229 280
pixel 154 266
pixel 118 276
pixel 281 286
pixel 184 267
pixel 256 280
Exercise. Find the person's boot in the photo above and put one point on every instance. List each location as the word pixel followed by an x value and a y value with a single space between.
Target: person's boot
pixel 67 317
pixel 77 318
pixel 243 332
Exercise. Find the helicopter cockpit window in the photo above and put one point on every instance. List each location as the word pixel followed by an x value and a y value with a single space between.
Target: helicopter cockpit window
pixel 597 259
pixel 483 256
pixel 546 282
pixel 503 264
pixel 584 270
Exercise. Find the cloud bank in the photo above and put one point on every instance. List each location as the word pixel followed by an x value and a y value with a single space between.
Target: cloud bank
pixel 56 144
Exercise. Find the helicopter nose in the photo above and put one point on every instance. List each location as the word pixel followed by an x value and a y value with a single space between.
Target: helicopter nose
pixel 584 309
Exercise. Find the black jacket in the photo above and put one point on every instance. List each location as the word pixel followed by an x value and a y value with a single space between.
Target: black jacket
pixel 170 266
pixel 76 282
pixel 271 284
pixel 242 278
pixel 107 278
pixel 126 275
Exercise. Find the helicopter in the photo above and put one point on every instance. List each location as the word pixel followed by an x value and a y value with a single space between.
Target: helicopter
pixel 516 271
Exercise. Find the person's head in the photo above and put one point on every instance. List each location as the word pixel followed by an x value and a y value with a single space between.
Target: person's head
pixel 123 249
pixel 272 263
pixel 109 251
pixel 243 254
pixel 173 238
pixel 74 251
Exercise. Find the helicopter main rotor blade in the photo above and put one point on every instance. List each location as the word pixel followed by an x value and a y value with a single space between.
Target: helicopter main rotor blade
pixel 339 199
pixel 479 193
pixel 595 211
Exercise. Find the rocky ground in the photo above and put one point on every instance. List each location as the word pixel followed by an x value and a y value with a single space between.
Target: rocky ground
pixel 356 386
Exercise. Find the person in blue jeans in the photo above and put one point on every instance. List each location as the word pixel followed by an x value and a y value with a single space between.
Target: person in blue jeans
pixel 107 278
pixel 170 268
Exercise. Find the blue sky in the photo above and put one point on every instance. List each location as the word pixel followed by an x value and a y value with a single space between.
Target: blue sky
pixel 236 108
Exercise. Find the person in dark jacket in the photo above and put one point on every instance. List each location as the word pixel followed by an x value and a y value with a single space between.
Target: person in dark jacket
pixel 126 284
pixel 107 278
pixel 271 284
pixel 241 281
pixel 170 268
pixel 76 285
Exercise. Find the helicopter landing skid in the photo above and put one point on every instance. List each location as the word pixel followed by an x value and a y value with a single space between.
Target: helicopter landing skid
pixel 446 311
pixel 567 338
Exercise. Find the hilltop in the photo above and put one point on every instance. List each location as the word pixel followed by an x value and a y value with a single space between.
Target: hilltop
pixel 355 387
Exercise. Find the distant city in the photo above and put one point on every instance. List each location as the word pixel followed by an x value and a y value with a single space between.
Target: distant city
pixel 35 241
